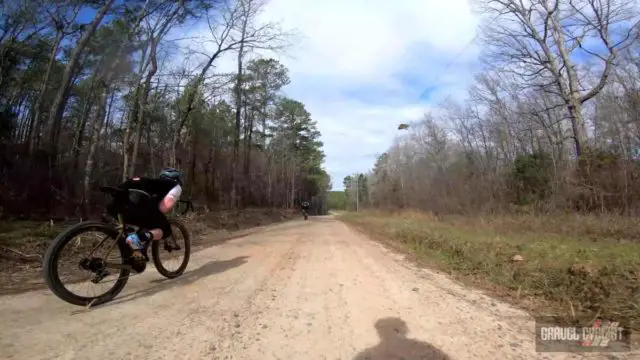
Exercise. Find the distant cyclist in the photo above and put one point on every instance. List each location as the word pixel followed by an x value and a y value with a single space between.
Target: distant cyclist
pixel 305 209
pixel 149 214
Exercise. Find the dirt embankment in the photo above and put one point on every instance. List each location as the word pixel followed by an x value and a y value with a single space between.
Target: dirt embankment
pixel 23 243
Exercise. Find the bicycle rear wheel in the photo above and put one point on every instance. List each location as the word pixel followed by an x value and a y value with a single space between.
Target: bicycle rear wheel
pixel 159 249
pixel 78 239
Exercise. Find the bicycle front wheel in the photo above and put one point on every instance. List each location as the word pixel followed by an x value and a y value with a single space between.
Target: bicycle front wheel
pixel 165 256
pixel 89 244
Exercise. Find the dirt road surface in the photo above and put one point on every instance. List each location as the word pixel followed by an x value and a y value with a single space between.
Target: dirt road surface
pixel 297 290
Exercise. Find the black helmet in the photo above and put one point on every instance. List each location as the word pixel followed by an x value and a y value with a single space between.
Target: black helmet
pixel 174 174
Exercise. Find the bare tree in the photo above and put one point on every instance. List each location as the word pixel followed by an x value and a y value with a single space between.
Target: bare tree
pixel 58 106
pixel 234 26
pixel 61 25
pixel 155 33
pixel 539 41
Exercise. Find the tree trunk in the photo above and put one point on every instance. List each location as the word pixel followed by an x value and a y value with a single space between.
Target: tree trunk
pixel 144 96
pixel 192 161
pixel 572 93
pixel 208 179
pixel 36 124
pixel 101 115
pixel 82 122
pixel 152 154
pixel 236 137
pixel 247 162
pixel 293 185
pixel 577 127
pixel 133 116
pixel 126 141
pixel 57 108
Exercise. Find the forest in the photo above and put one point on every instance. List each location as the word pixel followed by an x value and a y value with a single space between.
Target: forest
pixel 94 92
pixel 550 125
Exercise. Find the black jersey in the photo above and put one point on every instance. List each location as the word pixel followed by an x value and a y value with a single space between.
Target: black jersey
pixel 158 188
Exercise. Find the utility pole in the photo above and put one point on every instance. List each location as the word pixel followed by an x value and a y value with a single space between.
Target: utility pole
pixel 357 191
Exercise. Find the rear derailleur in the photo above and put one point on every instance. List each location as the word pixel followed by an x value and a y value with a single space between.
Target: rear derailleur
pixel 96 266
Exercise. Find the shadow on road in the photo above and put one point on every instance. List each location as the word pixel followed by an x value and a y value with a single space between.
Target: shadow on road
pixel 210 268
pixel 394 345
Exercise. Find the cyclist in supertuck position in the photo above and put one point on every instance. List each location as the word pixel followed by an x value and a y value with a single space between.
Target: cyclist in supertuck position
pixel 149 214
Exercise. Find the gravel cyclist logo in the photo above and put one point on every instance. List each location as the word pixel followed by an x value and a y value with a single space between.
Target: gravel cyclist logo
pixel 599 336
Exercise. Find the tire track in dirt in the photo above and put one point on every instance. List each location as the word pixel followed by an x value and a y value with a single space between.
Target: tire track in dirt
pixel 247 315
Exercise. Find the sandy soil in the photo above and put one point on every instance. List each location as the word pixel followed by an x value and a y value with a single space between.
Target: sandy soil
pixel 298 290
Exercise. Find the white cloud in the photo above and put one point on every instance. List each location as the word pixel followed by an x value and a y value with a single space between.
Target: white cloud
pixel 354 134
pixel 363 64
pixel 359 38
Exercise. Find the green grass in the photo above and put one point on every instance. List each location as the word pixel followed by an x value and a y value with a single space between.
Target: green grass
pixel 15 233
pixel 572 265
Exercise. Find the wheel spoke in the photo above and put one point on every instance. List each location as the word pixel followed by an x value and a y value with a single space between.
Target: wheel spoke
pixel 75 264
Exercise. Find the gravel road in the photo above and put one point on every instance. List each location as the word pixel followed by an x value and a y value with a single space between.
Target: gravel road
pixel 297 290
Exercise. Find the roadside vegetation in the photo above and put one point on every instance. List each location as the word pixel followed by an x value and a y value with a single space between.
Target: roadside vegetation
pixel 561 266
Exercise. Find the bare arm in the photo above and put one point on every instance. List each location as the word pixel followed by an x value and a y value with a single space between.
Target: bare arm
pixel 171 199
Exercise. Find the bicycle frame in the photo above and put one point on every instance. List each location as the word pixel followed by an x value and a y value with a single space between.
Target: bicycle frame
pixel 120 227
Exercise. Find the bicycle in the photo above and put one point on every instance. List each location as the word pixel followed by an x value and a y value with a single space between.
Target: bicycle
pixel 187 207
pixel 97 266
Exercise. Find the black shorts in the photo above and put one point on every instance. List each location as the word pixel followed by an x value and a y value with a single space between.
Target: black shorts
pixel 146 216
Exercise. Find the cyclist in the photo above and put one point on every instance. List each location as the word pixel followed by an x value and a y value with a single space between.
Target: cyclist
pixel 149 214
pixel 305 205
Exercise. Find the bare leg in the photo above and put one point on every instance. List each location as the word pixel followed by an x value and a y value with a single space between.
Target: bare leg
pixel 157 234
pixel 168 242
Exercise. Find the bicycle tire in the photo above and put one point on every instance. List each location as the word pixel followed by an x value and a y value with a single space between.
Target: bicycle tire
pixel 155 251
pixel 52 256
pixel 188 207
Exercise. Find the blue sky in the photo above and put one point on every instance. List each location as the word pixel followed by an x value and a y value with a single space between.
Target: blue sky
pixel 364 66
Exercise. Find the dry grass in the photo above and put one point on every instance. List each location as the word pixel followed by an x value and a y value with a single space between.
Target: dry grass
pixel 573 265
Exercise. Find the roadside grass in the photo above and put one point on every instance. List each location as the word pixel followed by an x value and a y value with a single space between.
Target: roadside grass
pixel 29 238
pixel 570 265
